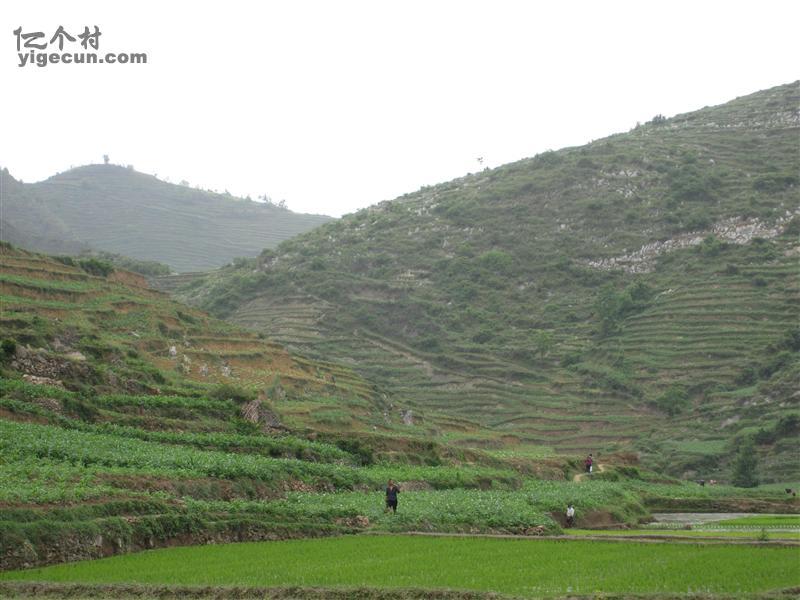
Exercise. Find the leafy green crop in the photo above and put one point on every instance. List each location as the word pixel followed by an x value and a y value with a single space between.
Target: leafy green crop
pixel 81 448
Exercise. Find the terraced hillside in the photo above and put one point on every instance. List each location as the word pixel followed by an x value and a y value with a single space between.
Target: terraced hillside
pixel 84 325
pixel 637 292
pixel 129 421
pixel 116 209
pixel 133 420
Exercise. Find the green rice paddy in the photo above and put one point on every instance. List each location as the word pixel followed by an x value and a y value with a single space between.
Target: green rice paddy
pixel 530 568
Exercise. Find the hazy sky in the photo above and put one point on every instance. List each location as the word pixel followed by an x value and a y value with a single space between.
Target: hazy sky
pixel 340 104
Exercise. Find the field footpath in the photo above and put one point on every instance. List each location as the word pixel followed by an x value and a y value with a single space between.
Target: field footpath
pixel 85 591
pixel 578 477
pixel 80 591
pixel 645 539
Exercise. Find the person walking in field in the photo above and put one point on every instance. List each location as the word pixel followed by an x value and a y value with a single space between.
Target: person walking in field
pixel 588 463
pixel 391 496
pixel 570 515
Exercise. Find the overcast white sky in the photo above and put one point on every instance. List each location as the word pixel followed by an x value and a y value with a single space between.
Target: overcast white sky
pixel 337 105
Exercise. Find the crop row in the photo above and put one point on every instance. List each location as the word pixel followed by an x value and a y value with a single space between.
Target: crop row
pixel 21 440
pixel 441 510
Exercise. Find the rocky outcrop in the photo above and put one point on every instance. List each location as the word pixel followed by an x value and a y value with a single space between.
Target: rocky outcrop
pixel 356 522
pixel 259 413
pixel 736 230
pixel 48 368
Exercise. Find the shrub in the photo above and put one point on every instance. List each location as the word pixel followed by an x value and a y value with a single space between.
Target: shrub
pixel 317 264
pixel 731 269
pixel 65 260
pixel 571 358
pixel 791 340
pixel 612 307
pixel 543 341
pixel 187 318
pixel 775 182
pixel 143 267
pixel 775 364
pixel 711 246
pixel 746 465
pixel 764 436
pixel 362 451
pixel 8 347
pixel 690 183
pixel 83 410
pixel 94 266
pixel 788 425
pixel 496 261
pixel 429 343
pixel 673 401
pixel 698 221
pixel 793 228
pixel 747 376
pixel 483 336
pixel 549 157
pixel 234 393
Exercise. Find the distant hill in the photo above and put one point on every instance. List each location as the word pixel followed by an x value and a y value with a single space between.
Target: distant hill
pixel 640 292
pixel 40 241
pixel 116 209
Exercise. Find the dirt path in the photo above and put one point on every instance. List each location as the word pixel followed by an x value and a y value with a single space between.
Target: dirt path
pixel 644 539
pixel 582 476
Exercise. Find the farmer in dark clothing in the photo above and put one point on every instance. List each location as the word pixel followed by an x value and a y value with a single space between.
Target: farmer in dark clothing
pixel 588 463
pixel 391 496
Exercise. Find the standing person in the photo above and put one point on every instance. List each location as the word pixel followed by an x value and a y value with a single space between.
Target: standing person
pixel 391 496
pixel 588 463
pixel 570 515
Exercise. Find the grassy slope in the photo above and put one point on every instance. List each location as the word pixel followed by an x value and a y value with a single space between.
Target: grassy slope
pixel 478 298
pixel 115 209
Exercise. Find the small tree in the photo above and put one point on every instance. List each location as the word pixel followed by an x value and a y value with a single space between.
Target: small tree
pixel 7 348
pixel 673 401
pixel 611 307
pixel 746 465
pixel 543 342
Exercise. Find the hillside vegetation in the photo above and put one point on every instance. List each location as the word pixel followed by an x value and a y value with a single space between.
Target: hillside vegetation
pixel 639 292
pixel 118 210
pixel 129 421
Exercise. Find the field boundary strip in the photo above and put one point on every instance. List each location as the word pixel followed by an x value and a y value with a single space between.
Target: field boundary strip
pixel 170 592
pixel 645 539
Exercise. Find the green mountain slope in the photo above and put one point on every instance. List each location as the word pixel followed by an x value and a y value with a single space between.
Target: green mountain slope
pixel 118 210
pixel 129 421
pixel 640 291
